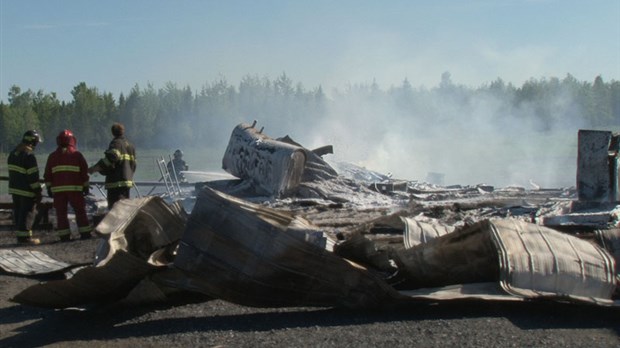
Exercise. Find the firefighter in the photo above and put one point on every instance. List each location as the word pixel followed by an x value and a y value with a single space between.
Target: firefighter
pixel 24 186
pixel 118 166
pixel 66 179
pixel 177 165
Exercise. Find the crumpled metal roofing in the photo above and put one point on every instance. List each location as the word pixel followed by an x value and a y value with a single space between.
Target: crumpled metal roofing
pixel 527 260
pixel 253 255
pixel 30 262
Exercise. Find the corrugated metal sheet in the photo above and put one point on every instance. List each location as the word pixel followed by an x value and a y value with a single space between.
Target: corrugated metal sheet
pixel 89 285
pixel 256 256
pixel 252 255
pixel 610 240
pixel 141 233
pixel 490 291
pixel 418 232
pixel 464 256
pixel 527 260
pixel 141 226
pixel 540 262
pixel 30 262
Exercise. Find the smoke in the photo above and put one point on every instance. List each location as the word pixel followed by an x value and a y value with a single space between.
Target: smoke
pixel 469 139
pixel 463 135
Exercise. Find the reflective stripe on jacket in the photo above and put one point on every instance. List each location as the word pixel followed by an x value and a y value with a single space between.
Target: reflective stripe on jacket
pixel 66 170
pixel 23 172
pixel 119 165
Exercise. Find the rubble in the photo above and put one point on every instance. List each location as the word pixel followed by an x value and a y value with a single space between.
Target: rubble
pixel 140 236
pixel 294 231
pixel 527 260
pixel 256 256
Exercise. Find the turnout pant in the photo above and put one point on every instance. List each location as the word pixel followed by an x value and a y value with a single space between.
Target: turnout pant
pixel 24 212
pixel 76 199
pixel 116 194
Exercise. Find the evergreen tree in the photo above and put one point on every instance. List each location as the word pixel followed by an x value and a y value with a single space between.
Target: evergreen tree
pixel 88 115
pixel 173 117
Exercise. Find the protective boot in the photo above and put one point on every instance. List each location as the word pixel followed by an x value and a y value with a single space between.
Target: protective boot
pixel 28 241
pixel 85 235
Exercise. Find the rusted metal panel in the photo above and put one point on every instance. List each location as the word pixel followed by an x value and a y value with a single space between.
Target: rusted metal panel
pixel 255 256
pixel 30 262
pixel 273 166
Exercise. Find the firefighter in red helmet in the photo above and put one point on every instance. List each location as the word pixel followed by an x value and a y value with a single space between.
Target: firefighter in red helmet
pixel 67 181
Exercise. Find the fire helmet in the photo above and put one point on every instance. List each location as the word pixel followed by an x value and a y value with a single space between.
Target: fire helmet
pixel 178 154
pixel 112 155
pixel 66 138
pixel 31 137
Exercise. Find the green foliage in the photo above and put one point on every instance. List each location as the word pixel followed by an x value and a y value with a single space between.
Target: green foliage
pixel 89 112
pixel 173 117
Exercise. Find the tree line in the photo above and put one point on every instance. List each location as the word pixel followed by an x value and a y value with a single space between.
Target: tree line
pixel 173 116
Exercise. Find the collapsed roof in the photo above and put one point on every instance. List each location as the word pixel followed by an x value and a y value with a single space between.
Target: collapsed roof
pixel 316 238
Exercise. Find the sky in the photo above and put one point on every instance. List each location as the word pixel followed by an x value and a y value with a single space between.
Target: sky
pixel 114 45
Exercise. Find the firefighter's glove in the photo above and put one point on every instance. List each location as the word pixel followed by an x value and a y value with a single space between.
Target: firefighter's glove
pixel 86 190
pixel 49 192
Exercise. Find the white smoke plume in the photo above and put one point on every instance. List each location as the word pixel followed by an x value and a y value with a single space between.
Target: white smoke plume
pixel 479 140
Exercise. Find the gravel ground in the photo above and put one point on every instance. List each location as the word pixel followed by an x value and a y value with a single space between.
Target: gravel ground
pixel 198 321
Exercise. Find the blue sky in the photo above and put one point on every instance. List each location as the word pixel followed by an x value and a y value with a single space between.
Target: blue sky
pixel 113 45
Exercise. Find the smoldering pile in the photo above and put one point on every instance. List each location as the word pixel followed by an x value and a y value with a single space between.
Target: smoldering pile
pixel 294 231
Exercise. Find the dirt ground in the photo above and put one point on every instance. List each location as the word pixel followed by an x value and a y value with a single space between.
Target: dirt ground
pixel 200 321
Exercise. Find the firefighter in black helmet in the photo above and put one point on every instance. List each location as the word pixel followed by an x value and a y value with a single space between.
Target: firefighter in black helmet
pixel 24 186
pixel 118 165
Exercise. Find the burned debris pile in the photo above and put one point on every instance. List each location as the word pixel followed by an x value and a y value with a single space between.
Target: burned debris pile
pixel 295 231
